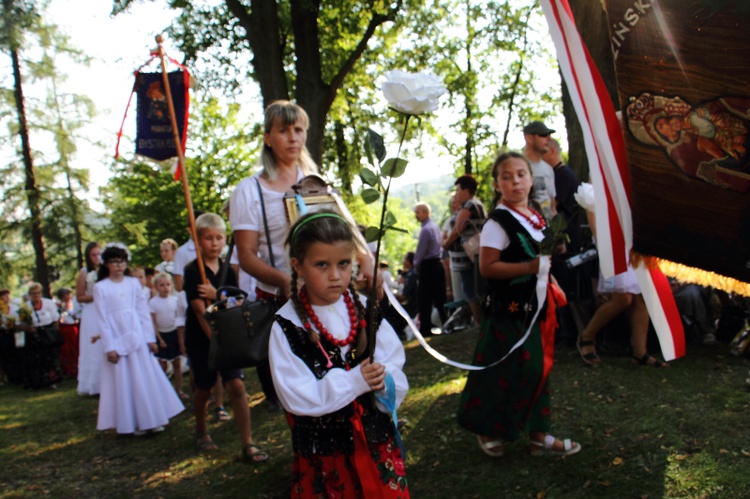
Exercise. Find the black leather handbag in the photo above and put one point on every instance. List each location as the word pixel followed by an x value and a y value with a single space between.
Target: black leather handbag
pixel 240 330
pixel 239 334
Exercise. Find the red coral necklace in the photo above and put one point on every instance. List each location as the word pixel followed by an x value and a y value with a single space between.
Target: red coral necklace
pixel 321 328
pixel 539 224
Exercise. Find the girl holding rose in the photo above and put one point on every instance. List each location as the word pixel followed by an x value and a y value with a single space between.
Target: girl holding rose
pixel 502 401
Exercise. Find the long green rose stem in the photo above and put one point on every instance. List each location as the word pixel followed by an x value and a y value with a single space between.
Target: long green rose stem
pixel 372 300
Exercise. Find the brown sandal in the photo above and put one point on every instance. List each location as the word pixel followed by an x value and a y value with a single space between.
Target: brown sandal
pixel 253 457
pixel 650 360
pixel 591 358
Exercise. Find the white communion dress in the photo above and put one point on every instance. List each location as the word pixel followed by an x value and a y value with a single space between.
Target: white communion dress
pixel 135 393
pixel 90 355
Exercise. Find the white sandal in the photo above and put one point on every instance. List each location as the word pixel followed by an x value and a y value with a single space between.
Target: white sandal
pixel 491 448
pixel 546 448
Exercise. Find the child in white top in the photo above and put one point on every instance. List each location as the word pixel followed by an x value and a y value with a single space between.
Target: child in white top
pixel 167 249
pixel 167 317
pixel 140 273
pixel 136 395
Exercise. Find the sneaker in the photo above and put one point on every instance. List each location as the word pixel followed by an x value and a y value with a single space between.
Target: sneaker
pixel 222 414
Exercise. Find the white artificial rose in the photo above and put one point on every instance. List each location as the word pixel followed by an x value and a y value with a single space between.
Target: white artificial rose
pixel 584 196
pixel 412 93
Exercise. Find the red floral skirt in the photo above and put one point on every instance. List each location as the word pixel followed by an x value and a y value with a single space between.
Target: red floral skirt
pixel 338 476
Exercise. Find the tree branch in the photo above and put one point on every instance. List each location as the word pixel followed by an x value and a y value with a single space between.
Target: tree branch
pixel 261 24
pixel 346 68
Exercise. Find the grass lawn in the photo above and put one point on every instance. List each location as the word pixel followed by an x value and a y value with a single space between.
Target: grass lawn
pixel 645 432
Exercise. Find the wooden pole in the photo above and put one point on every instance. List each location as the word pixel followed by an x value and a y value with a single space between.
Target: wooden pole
pixel 180 159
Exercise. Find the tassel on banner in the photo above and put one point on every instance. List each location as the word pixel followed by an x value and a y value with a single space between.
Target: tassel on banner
pixel 692 275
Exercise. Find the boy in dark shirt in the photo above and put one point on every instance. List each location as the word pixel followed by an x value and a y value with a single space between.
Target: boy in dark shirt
pixel 212 234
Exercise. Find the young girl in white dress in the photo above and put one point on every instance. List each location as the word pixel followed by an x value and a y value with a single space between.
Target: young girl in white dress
pixel 135 394
pixel 345 443
pixel 90 353
pixel 169 328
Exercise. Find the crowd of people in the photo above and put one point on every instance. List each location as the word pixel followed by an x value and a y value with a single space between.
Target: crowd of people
pixel 125 328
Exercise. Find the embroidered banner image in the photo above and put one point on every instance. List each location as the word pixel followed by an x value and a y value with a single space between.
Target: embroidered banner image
pixel 154 135
pixel 682 80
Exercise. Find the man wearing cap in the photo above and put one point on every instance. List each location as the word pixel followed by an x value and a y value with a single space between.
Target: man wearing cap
pixel 537 137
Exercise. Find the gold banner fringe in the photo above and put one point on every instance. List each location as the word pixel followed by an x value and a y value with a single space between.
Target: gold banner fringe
pixel 692 275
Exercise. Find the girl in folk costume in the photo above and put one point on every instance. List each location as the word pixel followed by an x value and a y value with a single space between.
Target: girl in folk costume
pixel 90 353
pixel 136 395
pixel 502 401
pixel 345 443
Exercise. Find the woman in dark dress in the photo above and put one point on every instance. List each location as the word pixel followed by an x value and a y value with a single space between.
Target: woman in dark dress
pixel 41 355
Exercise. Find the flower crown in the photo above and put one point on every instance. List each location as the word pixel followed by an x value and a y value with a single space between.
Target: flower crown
pixel 119 246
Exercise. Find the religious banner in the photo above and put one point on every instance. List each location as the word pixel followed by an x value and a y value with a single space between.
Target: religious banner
pixel 682 80
pixel 154 135
pixel 608 166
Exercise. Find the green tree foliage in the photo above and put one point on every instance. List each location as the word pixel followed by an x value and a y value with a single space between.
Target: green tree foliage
pixel 52 117
pixel 300 48
pixel 61 116
pixel 146 204
pixel 17 17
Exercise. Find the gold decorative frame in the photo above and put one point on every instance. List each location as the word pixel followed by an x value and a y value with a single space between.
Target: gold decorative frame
pixel 316 194
pixel 313 203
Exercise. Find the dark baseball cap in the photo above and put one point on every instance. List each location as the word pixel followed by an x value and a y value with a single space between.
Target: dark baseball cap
pixel 537 128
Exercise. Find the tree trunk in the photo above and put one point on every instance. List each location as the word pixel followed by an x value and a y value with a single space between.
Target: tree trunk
pixel 41 274
pixel 72 201
pixel 261 23
pixel 591 20
pixel 342 157
pixel 469 129
pixel 516 80
pixel 74 214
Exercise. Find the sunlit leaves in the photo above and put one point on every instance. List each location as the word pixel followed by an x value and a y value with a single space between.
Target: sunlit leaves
pixel 372 234
pixel 369 177
pixel 369 196
pixel 394 167
pixel 377 144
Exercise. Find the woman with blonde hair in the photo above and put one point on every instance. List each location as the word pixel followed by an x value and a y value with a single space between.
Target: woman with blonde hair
pixel 257 212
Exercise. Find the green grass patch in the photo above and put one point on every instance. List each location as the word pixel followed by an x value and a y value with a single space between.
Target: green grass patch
pixel 678 432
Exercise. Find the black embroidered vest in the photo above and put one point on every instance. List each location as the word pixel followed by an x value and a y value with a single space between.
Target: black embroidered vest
pixel 332 433
pixel 515 297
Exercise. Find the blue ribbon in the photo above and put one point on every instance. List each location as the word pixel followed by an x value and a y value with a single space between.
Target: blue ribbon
pixel 389 401
pixel 301 206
